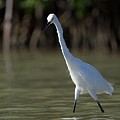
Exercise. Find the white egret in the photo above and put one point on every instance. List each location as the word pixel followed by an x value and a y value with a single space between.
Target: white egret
pixel 86 78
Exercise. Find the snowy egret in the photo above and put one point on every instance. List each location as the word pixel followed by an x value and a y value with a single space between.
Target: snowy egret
pixel 86 78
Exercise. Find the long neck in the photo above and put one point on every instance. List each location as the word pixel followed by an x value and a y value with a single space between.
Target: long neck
pixel 63 46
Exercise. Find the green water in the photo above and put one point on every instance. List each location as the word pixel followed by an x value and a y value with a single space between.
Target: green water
pixel 36 86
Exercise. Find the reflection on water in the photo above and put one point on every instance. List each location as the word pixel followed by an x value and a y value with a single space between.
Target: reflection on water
pixel 34 86
pixel 74 118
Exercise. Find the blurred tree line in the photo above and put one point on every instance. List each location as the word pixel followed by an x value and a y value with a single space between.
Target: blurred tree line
pixel 87 24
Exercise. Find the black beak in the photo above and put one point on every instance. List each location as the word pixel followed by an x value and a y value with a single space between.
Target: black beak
pixel 46 26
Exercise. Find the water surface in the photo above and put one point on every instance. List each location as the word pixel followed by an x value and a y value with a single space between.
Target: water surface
pixel 36 86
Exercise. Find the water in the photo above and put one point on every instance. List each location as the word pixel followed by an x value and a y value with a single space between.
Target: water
pixel 36 86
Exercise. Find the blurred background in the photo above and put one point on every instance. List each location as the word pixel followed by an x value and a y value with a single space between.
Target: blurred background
pixel 34 80
pixel 88 24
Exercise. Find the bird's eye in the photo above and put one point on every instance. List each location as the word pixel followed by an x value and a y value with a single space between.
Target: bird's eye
pixel 52 19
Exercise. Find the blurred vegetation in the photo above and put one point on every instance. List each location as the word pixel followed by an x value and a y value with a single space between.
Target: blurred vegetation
pixel 87 24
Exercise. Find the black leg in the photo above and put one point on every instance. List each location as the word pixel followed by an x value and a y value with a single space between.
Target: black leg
pixel 100 107
pixel 74 106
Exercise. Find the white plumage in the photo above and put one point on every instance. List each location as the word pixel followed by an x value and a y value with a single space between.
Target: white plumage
pixel 86 78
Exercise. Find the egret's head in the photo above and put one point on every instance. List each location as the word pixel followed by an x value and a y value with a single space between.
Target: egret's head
pixel 50 20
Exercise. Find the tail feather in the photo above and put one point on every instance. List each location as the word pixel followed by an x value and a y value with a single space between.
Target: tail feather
pixel 111 89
